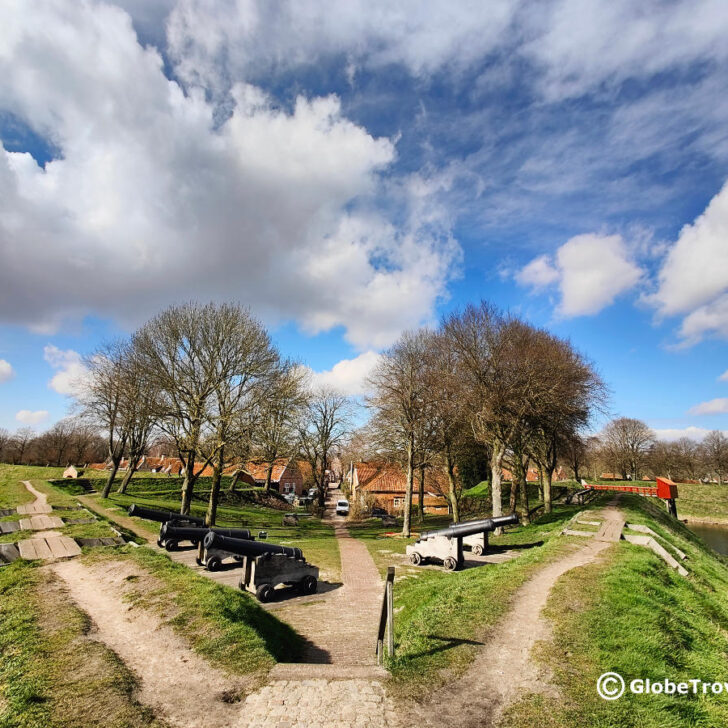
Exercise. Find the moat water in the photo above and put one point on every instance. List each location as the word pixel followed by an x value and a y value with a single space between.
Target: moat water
pixel 715 535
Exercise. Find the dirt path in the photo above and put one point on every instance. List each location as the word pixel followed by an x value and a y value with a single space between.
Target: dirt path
pixel 503 670
pixel 41 499
pixel 91 502
pixel 177 683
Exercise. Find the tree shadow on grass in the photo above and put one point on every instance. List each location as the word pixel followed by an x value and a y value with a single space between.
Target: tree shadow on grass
pixel 448 643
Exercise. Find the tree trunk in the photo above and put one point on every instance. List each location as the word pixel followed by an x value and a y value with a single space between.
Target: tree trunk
pixel 495 482
pixel 188 484
pixel 268 474
pixel 540 483
pixel 547 504
pixel 211 515
pixel 112 475
pixel 234 480
pixel 519 479
pixel 514 493
pixel 453 492
pixel 406 529
pixel 576 471
pixel 128 475
pixel 421 496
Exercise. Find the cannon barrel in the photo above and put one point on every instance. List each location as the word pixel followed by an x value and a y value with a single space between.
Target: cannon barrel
pixel 468 528
pixel 242 547
pixel 162 516
pixel 171 530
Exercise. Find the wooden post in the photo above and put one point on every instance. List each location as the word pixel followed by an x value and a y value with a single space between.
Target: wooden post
pixel 390 611
pixel 386 618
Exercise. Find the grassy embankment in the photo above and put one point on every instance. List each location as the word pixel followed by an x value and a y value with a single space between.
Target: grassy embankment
pixel 442 618
pixel 630 613
pixel 634 615
pixel 51 674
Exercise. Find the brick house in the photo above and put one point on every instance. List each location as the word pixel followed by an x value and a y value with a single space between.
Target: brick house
pixel 286 476
pixel 384 485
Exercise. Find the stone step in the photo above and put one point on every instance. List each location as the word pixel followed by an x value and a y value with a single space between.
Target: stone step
pixel 310 671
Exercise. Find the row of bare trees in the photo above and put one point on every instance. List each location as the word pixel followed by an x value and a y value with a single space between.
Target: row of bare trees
pixel 628 448
pixel 487 377
pixel 70 440
pixel 208 380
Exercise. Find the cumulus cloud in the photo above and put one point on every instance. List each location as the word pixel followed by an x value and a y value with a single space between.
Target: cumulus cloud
pixel 692 432
pixel 349 375
pixel 6 371
pixel 711 407
pixel 723 377
pixel 590 271
pixel 70 373
pixel 151 198
pixel 693 280
pixel 28 417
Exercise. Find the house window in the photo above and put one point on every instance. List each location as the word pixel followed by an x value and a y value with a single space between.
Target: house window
pixel 398 502
pixel 286 487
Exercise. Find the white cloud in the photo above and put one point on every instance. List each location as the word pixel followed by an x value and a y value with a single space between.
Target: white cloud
pixel 71 371
pixel 692 432
pixel 576 45
pixel 349 375
pixel 723 377
pixel 27 417
pixel 539 273
pixel 590 271
pixel 6 371
pixel 711 407
pixel 693 280
pixel 152 197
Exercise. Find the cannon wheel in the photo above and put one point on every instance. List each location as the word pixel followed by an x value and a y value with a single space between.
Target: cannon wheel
pixel 478 550
pixel 450 564
pixel 159 543
pixel 415 558
pixel 170 545
pixel 213 563
pixel 308 585
pixel 264 592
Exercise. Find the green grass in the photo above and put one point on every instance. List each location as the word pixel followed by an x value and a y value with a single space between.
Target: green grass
pixel 51 674
pixel 634 615
pixel 442 618
pixel 225 625
pixel 314 538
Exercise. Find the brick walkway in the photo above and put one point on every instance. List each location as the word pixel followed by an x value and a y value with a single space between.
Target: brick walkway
pixel 339 685
pixel 341 627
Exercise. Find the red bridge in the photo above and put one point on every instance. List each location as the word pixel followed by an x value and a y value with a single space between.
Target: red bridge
pixel 664 488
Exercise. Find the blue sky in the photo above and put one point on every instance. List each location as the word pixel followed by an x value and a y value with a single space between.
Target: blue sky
pixel 351 171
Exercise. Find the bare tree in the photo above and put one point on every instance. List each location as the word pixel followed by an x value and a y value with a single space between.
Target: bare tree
pixel 627 442
pixel 139 406
pixel 196 357
pixel 400 401
pixel 321 431
pixel 101 401
pixel 5 441
pixel 20 443
pixel 449 423
pixel 278 415
pixel 715 449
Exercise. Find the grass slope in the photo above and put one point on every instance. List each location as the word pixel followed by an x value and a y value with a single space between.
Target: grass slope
pixel 634 615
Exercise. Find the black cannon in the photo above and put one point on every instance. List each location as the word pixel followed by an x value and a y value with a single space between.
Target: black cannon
pixel 446 545
pixel 170 534
pixel 154 514
pixel 265 565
